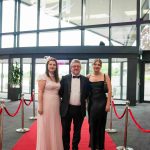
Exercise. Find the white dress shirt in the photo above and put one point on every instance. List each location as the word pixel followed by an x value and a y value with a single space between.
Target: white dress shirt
pixel 75 92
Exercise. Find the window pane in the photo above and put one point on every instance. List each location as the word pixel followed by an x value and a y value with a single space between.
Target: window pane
pixel 83 67
pixel 119 77
pixel 145 7
pixel 28 15
pixel 145 37
pixel 49 14
pixel 71 13
pixel 7 21
pixel 71 38
pixel 124 78
pixel 63 67
pixel 3 78
pixel 39 69
pixel 123 11
pixel 48 39
pixel 123 36
pixel 26 79
pixel 97 12
pixel 27 40
pixel 7 41
pixel 94 36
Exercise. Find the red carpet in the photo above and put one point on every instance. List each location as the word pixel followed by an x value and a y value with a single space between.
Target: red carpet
pixel 28 140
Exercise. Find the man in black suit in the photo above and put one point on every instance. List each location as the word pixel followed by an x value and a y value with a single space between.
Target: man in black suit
pixel 74 92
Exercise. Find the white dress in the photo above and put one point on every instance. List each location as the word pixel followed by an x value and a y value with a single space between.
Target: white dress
pixel 49 132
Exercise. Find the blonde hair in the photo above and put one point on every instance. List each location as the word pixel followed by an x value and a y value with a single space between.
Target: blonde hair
pixel 97 60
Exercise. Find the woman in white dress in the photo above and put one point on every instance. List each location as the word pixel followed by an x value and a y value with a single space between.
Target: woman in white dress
pixel 48 120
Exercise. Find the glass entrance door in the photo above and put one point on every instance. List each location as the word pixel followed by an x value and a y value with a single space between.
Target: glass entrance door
pixel 119 77
pixel 26 78
pixel 3 78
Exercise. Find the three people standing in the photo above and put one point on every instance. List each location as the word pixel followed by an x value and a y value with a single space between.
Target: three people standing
pixel 73 89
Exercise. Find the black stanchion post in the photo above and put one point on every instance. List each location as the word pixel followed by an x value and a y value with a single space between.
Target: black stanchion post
pixel 124 147
pixel 110 130
pixel 33 97
pixel 22 117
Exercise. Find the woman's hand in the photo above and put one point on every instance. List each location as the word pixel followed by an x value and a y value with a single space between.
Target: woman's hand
pixel 107 109
pixel 88 76
pixel 40 111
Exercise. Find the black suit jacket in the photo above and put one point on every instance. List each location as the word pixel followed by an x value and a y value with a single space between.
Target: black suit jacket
pixel 65 91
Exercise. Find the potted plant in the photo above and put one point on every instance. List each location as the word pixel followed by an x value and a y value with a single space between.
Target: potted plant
pixel 15 79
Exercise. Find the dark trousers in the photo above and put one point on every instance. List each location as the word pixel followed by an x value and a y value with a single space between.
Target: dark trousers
pixel 74 113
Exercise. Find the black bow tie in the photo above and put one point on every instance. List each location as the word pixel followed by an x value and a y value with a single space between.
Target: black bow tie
pixel 76 77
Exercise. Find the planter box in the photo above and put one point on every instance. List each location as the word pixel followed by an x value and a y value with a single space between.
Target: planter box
pixel 14 94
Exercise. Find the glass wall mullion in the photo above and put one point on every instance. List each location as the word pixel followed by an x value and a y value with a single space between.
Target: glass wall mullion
pixel 38 21
pixel 18 23
pixel 110 8
pixel 15 22
pixel 138 24
pixel 121 80
pixel 59 23
pixel 0 22
pixel 33 74
pixel 82 20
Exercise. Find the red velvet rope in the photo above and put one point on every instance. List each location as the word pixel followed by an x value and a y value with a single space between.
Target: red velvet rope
pixel 31 100
pixel 1 110
pixel 12 115
pixel 119 117
pixel 136 123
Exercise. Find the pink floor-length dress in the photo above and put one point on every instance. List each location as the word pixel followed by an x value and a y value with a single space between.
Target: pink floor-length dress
pixel 49 135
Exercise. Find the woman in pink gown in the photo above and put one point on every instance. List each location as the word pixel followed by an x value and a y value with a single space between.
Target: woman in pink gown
pixel 48 120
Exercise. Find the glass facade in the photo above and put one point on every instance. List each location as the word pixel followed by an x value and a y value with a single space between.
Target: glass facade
pixel 115 22
pixel 96 12
pixel 108 24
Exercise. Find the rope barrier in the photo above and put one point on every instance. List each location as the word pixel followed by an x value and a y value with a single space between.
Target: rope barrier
pixel 119 117
pixel 14 114
pixel 27 104
pixel 1 110
pixel 124 147
pixel 132 117
pixel 137 124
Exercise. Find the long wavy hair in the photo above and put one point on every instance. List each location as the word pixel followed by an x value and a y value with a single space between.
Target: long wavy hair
pixel 55 72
